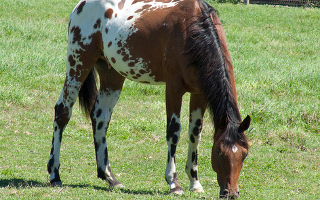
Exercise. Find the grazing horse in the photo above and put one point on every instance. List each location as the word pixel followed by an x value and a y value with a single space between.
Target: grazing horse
pixel 177 43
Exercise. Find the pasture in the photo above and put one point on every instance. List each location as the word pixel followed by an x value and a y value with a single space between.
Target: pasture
pixel 275 52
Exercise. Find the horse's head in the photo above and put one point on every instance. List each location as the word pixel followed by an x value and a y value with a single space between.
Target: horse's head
pixel 229 150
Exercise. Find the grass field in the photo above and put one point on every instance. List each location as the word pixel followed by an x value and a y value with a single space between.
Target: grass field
pixel 276 56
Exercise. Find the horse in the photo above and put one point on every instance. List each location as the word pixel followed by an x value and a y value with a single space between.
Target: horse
pixel 181 44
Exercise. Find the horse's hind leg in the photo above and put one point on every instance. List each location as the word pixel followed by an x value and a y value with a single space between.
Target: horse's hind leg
pixel 110 88
pixel 80 61
pixel 197 109
pixel 63 111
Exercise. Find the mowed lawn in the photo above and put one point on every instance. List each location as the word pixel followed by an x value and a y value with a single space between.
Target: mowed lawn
pixel 276 57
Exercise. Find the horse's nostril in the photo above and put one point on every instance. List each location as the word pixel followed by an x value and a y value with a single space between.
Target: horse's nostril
pixel 236 195
pixel 224 194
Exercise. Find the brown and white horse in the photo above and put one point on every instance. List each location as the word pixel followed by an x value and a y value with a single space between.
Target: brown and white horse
pixel 177 43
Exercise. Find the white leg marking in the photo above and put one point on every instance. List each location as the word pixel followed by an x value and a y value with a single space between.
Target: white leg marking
pixel 172 144
pixel 194 138
pixel 105 103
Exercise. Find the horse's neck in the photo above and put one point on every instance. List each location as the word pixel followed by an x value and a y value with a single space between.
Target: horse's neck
pixel 226 54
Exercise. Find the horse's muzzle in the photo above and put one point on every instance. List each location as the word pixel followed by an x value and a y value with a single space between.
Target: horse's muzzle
pixel 226 194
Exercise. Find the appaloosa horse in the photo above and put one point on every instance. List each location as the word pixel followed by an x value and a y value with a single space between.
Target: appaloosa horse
pixel 178 43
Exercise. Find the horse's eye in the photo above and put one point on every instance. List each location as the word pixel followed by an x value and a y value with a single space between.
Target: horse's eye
pixel 219 152
pixel 244 156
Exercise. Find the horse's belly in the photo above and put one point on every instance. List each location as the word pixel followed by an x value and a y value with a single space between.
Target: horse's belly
pixel 130 62
pixel 136 71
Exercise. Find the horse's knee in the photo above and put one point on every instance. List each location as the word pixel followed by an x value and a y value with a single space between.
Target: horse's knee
pixel 173 129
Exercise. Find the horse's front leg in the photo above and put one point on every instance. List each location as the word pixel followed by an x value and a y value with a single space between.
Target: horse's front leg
pixel 197 109
pixel 173 105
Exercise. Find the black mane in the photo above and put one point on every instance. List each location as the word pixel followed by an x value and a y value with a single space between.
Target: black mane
pixel 204 47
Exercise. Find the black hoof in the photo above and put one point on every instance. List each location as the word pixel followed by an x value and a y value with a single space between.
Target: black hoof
pixel 56 184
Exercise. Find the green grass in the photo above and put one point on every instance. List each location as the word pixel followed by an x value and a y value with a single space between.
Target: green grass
pixel 275 51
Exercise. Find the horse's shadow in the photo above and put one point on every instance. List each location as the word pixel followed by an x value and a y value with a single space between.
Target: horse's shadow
pixel 22 183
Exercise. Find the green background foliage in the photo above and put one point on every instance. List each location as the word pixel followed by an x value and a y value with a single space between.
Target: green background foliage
pixel 275 52
pixel 227 1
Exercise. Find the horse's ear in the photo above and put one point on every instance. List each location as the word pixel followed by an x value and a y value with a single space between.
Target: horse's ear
pixel 223 122
pixel 244 125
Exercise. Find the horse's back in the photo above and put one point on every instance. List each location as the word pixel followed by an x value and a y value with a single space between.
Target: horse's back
pixel 140 39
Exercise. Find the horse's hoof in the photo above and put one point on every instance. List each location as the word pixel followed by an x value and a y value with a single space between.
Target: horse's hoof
pixel 56 184
pixel 176 191
pixel 197 190
pixel 118 186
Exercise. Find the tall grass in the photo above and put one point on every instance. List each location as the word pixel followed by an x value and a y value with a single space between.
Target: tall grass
pixel 275 51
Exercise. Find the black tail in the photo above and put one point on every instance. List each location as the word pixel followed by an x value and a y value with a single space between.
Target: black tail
pixel 88 93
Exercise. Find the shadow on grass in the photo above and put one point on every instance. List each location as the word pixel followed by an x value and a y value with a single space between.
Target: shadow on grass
pixel 142 192
pixel 22 183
